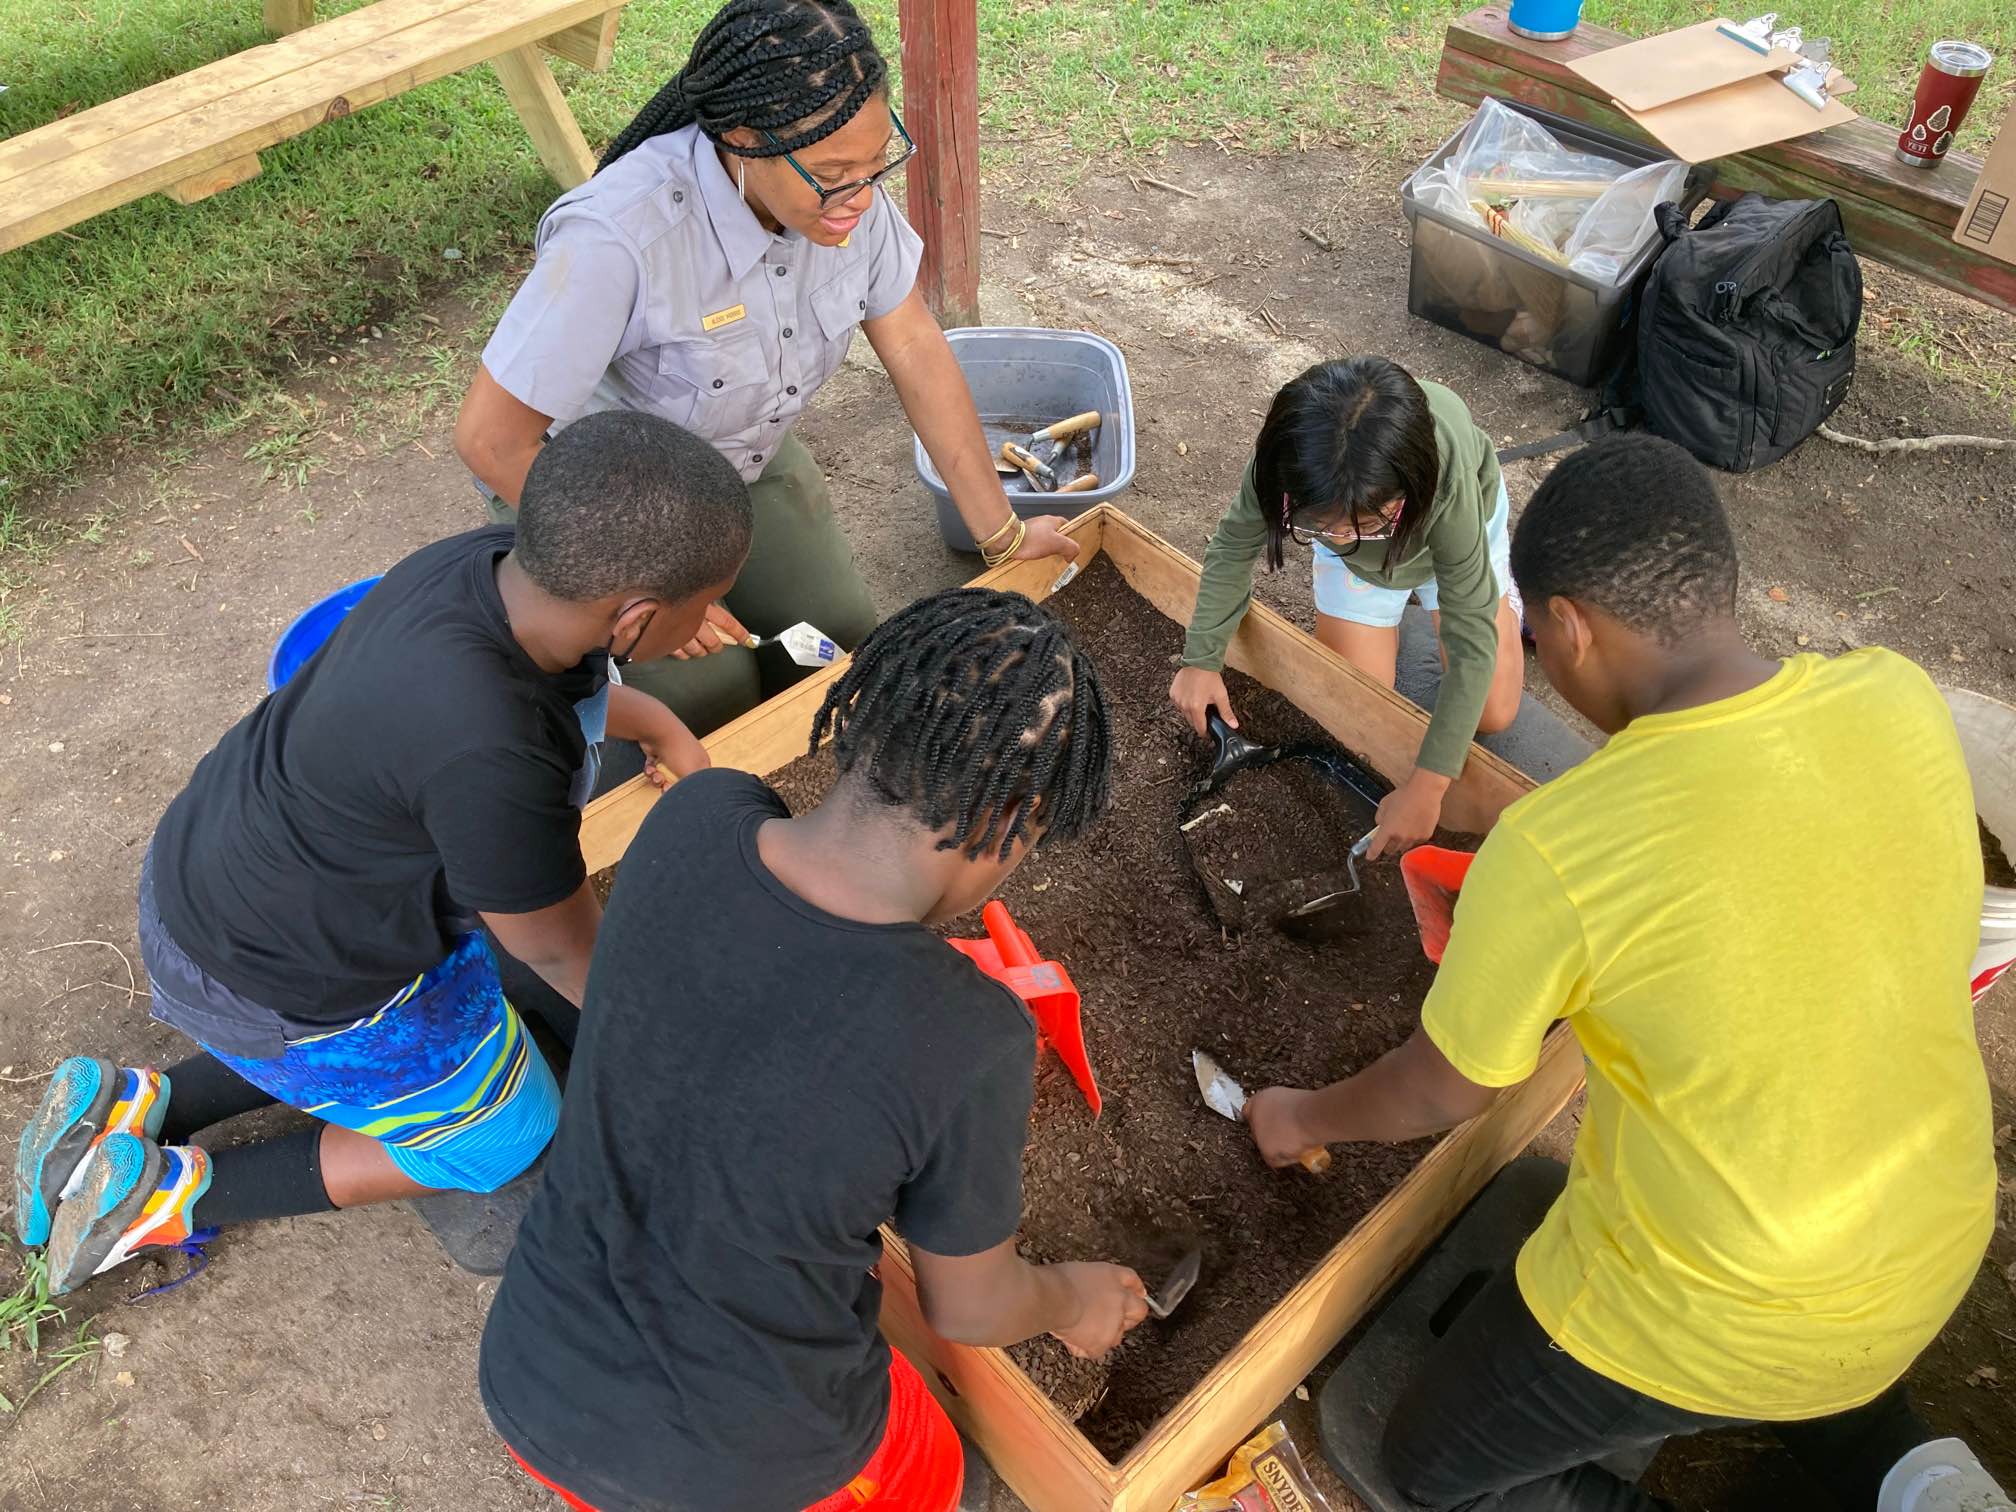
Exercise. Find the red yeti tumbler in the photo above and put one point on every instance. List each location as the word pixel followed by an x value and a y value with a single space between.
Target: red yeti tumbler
pixel 1951 79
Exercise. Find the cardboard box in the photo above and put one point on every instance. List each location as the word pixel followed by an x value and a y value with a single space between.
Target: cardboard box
pixel 1988 224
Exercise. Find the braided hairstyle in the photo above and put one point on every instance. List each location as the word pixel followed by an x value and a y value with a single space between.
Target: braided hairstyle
pixel 970 706
pixel 799 69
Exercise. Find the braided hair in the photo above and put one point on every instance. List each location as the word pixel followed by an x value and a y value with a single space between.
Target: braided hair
pixel 798 69
pixel 975 709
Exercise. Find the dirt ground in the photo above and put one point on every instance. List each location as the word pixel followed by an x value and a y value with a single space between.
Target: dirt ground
pixel 147 634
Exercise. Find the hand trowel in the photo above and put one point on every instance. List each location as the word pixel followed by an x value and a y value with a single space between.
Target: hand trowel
pixel 805 644
pixel 1226 1096
pixel 1176 1285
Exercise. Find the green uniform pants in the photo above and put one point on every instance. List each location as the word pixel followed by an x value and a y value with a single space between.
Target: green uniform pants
pixel 799 568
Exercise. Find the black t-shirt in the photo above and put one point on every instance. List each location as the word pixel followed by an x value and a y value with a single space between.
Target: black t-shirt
pixel 414 772
pixel 688 1322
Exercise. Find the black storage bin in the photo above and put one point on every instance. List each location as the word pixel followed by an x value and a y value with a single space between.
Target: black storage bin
pixel 1486 288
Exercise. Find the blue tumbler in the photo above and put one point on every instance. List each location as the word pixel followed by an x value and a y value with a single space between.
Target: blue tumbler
pixel 1545 20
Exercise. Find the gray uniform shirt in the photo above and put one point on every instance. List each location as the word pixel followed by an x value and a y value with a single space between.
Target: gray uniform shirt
pixel 657 289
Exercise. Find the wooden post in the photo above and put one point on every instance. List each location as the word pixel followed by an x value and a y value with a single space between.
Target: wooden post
pixel 287 16
pixel 941 107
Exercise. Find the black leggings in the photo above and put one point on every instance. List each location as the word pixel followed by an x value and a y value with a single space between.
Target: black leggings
pixel 1501 1419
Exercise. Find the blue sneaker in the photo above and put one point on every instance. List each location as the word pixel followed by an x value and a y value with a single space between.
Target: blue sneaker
pixel 87 1098
pixel 135 1194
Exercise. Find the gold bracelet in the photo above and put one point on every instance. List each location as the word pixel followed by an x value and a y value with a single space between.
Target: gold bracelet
pixel 986 555
pixel 1007 553
pixel 1006 526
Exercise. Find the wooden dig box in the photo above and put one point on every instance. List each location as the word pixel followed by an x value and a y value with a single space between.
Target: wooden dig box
pixel 1041 1456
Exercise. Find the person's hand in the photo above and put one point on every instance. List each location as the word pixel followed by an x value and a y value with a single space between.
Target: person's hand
pixel 1111 1299
pixel 672 751
pixel 1046 538
pixel 1275 1115
pixel 717 632
pixel 1196 691
pixel 1408 815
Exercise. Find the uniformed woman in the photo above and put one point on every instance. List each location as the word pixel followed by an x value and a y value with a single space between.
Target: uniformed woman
pixel 713 271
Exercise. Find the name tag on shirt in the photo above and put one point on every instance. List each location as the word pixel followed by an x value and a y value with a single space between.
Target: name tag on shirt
pixel 721 318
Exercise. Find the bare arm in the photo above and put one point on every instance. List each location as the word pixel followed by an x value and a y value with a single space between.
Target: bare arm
pixel 497 436
pixel 670 748
pixel 940 406
pixel 1409 1092
pixel 556 942
pixel 998 1298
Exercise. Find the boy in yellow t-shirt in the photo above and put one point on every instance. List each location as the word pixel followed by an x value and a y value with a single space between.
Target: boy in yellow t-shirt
pixel 1755 908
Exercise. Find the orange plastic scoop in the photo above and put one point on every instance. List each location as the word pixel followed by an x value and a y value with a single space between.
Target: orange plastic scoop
pixel 1434 877
pixel 1009 956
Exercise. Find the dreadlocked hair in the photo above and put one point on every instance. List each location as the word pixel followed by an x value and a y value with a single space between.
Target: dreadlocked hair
pixel 975 709
pixel 797 69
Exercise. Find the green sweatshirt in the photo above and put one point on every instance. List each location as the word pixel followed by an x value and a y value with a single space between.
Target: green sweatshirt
pixel 1452 551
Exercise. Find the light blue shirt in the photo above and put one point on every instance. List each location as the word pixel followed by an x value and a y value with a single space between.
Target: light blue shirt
pixel 657 289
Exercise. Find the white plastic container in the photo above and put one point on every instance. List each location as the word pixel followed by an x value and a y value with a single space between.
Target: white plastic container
pixel 1988 736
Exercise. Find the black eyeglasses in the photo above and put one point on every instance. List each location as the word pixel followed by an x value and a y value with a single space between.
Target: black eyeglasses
pixel 849 190
pixel 1302 535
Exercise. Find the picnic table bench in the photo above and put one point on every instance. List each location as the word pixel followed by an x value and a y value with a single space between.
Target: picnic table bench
pixel 1894 214
pixel 201 132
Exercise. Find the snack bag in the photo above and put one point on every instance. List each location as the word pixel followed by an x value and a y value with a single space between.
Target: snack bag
pixel 1265 1474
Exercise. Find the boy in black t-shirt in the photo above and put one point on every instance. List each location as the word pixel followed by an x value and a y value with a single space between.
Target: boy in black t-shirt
pixel 309 906
pixel 689 1318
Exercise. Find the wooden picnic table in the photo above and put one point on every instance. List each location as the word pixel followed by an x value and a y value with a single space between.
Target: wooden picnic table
pixel 201 132
pixel 1893 214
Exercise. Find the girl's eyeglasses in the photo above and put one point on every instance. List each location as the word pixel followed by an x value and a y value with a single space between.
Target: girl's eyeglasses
pixel 1302 535
pixel 849 190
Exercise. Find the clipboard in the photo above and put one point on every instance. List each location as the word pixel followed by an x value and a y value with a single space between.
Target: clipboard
pixel 1735 118
pixel 1660 70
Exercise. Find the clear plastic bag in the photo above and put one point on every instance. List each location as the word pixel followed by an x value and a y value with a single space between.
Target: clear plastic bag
pixel 1609 235
pixel 1511 176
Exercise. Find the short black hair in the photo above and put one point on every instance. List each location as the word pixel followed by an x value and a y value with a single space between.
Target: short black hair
pixel 798 70
pixel 967 705
pixel 1631 525
pixel 1353 434
pixel 621 502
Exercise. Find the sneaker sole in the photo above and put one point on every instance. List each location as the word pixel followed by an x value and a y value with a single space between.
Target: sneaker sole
pixel 73 1111
pixel 90 1225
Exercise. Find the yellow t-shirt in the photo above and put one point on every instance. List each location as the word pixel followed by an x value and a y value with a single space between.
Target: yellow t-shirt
pixel 1757 916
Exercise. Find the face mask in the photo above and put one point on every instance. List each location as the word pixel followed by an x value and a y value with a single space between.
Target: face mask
pixel 622 659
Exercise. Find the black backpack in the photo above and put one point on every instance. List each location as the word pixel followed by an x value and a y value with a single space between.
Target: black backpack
pixel 1745 336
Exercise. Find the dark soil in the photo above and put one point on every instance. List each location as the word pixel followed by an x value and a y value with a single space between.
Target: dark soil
pixel 1123 912
pixel 1994 860
pixel 1273 839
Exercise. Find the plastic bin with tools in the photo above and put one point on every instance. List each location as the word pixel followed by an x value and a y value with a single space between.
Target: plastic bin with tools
pixel 1532 234
pixel 1025 379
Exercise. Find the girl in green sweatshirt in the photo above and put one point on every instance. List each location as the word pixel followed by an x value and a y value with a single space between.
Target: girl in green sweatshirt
pixel 1398 492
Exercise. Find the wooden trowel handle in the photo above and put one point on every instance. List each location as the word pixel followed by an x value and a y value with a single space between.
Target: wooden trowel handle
pixel 1064 430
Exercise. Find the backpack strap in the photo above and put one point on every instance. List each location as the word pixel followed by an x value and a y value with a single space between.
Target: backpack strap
pixel 1598 423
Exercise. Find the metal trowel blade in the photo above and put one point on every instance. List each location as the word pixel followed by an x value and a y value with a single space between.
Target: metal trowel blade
pixel 1176 1285
pixel 1221 1093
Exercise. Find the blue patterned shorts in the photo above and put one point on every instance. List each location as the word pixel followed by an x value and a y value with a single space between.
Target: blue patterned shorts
pixel 444 1076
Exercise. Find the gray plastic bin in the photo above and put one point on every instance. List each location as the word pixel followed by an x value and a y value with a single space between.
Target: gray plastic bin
pixel 1022 372
pixel 1478 285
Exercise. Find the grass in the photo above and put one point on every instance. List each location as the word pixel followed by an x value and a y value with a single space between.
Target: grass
pixel 23 1317
pixel 158 312
pixel 29 1310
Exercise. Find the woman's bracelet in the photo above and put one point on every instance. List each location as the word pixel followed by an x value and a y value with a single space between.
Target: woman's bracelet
pixel 1006 526
pixel 1006 553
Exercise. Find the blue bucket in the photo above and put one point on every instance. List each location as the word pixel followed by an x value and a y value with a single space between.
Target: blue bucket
pixel 311 627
